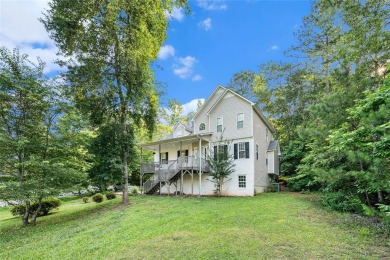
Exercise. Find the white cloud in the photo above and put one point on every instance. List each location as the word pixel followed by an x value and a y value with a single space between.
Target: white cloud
pixel 184 67
pixel 274 47
pixel 197 77
pixel 212 5
pixel 191 106
pixel 21 29
pixel 176 14
pixel 166 51
pixel 206 24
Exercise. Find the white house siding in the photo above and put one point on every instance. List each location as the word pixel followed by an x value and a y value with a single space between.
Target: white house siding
pixel 201 117
pixel 172 151
pixel 271 162
pixel 260 168
pixel 228 108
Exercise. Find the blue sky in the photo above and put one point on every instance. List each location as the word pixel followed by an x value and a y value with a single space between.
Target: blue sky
pixel 220 38
pixel 202 50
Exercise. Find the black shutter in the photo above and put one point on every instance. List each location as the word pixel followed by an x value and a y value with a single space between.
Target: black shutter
pixel 225 152
pixel 178 154
pixel 235 151
pixel 246 149
pixel 167 156
pixel 215 153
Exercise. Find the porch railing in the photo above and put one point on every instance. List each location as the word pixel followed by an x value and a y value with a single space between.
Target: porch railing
pixel 166 171
pixel 182 163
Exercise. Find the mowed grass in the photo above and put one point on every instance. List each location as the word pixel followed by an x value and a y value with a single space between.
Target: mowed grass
pixel 268 226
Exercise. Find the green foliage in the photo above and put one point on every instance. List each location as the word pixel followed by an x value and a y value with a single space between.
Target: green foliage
pixel 303 182
pixel 97 198
pixel 39 154
pixel 134 191
pixel 344 203
pixel 384 208
pixel 45 207
pixel 110 46
pixel 85 199
pixel 221 164
pixel 110 195
pixel 271 188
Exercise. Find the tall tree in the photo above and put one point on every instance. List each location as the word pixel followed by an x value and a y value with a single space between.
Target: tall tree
pixel 110 45
pixel 34 152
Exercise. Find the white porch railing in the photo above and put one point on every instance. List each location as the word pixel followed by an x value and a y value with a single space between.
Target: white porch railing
pixel 164 172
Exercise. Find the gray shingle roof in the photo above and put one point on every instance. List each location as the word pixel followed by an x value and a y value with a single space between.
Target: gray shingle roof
pixel 273 145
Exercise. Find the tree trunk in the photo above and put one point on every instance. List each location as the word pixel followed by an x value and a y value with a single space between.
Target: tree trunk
pixel 26 214
pixel 380 197
pixel 35 214
pixel 125 199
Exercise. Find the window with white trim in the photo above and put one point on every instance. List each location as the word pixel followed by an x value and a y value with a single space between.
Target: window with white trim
pixel 240 120
pixel 241 150
pixel 257 152
pixel 202 127
pixel 242 181
pixel 219 124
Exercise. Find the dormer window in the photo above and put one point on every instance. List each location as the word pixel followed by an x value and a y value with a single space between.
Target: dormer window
pixel 202 127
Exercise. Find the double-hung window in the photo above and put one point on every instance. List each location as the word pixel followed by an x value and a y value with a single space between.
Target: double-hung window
pixel 240 120
pixel 241 150
pixel 202 127
pixel 219 124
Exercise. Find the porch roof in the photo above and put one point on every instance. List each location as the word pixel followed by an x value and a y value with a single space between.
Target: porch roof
pixel 184 139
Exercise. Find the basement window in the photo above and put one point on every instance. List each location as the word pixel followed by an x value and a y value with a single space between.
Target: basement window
pixel 242 181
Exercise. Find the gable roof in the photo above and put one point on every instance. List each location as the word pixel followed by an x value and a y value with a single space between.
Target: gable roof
pixel 187 128
pixel 207 101
pixel 223 95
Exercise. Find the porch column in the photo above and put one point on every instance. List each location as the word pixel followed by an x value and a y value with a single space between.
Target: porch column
pixel 200 166
pixel 181 171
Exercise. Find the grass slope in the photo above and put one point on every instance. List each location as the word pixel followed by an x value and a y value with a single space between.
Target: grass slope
pixel 268 226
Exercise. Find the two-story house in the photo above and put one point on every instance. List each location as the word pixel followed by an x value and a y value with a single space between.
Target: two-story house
pixel 180 160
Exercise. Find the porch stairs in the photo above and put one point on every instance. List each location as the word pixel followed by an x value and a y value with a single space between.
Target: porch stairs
pixel 152 186
pixel 169 172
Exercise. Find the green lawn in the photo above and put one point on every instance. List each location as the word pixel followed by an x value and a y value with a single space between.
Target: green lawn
pixel 268 226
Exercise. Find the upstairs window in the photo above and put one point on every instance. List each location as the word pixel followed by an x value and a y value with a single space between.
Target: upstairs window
pixel 202 127
pixel 219 124
pixel 240 120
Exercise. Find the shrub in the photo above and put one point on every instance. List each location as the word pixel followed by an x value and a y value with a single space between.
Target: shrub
pixel 303 182
pixel 134 191
pixel 110 195
pixel 85 199
pixel 97 198
pixel 46 206
pixel 342 202
pixel 271 188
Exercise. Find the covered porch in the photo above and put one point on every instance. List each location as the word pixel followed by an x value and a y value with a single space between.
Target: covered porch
pixel 173 159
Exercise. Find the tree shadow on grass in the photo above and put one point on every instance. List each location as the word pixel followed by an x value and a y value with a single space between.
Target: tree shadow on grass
pixel 62 216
